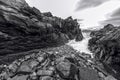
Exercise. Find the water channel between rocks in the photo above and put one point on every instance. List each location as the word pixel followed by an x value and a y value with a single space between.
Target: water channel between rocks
pixel 81 46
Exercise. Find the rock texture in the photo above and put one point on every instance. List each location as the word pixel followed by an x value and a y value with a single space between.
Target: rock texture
pixel 23 28
pixel 105 44
pixel 60 63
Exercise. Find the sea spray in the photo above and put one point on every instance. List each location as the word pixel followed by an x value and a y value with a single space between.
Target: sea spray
pixel 81 46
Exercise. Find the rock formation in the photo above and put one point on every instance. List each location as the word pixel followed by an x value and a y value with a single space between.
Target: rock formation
pixel 105 44
pixel 23 28
pixel 59 63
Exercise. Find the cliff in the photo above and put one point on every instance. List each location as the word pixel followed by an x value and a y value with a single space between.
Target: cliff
pixel 105 44
pixel 23 28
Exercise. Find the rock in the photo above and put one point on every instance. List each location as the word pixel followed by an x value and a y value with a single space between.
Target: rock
pixel 23 77
pixel 88 74
pixel 24 68
pixel 15 3
pixel 57 63
pixel 13 67
pixel 25 28
pixel 79 38
pixel 105 44
pixel 33 76
pixel 110 78
pixel 44 73
pixel 48 14
pixel 46 78
pixel 101 75
pixel 67 70
pixel 40 59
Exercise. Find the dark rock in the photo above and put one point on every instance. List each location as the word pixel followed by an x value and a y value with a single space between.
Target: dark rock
pixel 27 66
pixel 105 44
pixel 58 63
pixel 25 28
pixel 67 70
pixel 48 14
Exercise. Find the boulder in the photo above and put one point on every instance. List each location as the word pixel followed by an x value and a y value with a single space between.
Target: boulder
pixel 27 66
pixel 67 70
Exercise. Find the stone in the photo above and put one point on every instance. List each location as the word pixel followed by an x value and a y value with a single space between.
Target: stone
pixel 13 67
pixel 101 75
pixel 40 59
pixel 33 76
pixel 24 67
pixel 44 72
pixel 22 77
pixel 46 78
pixel 33 63
pixel 110 78
pixel 66 69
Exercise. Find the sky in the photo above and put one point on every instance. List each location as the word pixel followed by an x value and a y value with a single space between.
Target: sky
pixel 91 13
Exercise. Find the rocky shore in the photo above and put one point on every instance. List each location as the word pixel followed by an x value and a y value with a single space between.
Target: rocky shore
pixel 59 63
pixel 23 28
pixel 33 47
pixel 105 45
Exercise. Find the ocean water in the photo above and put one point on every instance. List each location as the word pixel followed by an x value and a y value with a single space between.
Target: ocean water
pixel 81 46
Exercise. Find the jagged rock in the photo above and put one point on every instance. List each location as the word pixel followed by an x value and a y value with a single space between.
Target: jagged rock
pixel 105 44
pixel 58 63
pixel 24 28
pixel 79 38
pixel 66 69
pixel 48 14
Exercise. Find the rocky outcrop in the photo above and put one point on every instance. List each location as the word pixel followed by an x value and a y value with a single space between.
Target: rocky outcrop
pixel 59 63
pixel 105 44
pixel 23 28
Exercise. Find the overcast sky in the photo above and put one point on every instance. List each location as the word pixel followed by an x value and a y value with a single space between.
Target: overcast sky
pixel 92 12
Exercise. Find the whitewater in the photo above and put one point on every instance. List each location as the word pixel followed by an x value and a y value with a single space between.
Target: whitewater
pixel 81 46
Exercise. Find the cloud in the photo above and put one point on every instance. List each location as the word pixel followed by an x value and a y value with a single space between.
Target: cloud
pixel 83 4
pixel 116 13
pixel 114 18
